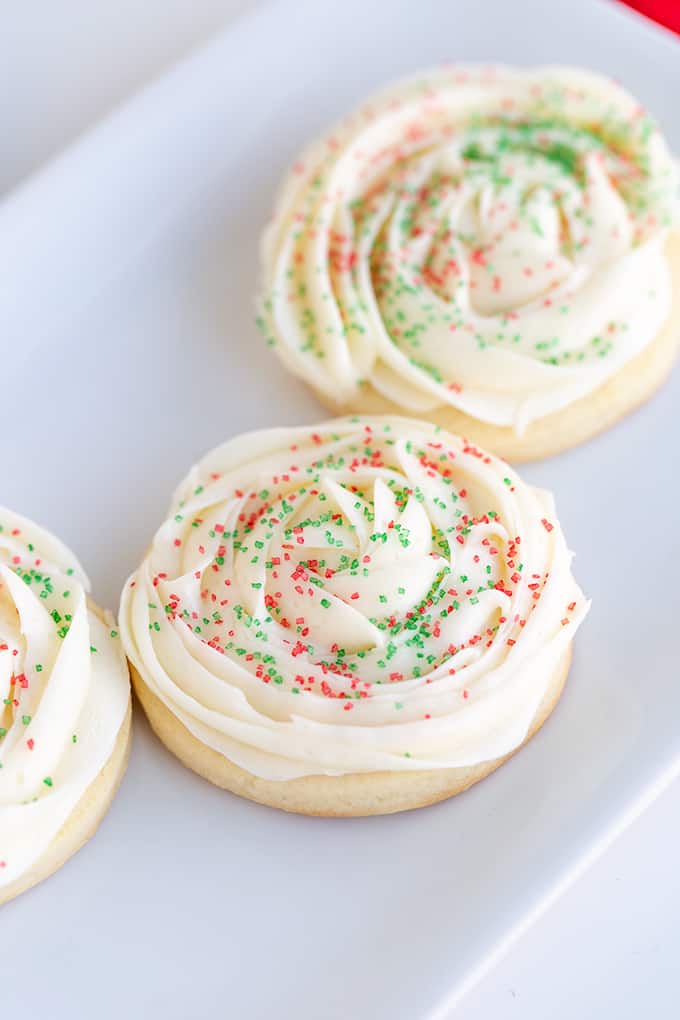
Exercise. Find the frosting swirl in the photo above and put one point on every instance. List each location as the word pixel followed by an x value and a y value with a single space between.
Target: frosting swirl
pixel 367 595
pixel 64 691
pixel 486 238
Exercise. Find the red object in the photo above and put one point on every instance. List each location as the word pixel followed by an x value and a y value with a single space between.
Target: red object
pixel 665 12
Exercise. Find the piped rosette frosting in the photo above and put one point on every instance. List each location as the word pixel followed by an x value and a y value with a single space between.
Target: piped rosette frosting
pixel 366 595
pixel 481 237
pixel 64 691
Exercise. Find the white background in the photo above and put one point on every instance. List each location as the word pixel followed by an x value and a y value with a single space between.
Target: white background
pixel 610 946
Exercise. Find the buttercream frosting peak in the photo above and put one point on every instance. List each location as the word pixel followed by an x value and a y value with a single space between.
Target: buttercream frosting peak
pixel 486 238
pixel 367 595
pixel 64 691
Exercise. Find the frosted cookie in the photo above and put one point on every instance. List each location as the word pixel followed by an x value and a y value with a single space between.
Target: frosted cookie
pixel 493 249
pixel 357 618
pixel 64 706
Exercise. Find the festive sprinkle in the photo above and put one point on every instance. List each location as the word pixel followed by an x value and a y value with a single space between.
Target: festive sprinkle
pixel 56 590
pixel 470 226
pixel 366 558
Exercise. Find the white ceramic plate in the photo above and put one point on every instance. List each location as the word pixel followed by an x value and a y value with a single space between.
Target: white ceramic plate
pixel 128 348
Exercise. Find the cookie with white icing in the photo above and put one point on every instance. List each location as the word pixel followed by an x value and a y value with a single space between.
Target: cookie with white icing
pixel 493 249
pixel 64 706
pixel 355 618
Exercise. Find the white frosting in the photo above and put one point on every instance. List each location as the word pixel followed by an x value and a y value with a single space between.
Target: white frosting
pixel 64 691
pixel 360 596
pixel 488 238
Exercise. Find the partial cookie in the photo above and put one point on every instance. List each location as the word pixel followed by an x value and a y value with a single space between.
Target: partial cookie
pixel 358 618
pixel 493 249
pixel 65 710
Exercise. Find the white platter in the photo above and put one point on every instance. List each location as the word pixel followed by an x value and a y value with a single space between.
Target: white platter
pixel 129 348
